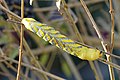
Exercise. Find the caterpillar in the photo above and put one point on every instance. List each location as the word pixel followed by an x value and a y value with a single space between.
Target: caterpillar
pixel 54 37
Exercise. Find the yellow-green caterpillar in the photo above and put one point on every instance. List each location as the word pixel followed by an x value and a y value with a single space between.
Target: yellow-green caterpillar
pixel 61 41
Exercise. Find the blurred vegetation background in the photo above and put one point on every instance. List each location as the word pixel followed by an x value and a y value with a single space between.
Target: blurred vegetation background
pixel 50 58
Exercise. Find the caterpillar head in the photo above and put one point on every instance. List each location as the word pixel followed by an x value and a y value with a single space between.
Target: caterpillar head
pixel 27 22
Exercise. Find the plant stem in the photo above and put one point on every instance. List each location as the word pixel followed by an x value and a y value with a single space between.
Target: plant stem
pixel 112 40
pixel 70 5
pixel 21 42
pixel 33 68
pixel 113 23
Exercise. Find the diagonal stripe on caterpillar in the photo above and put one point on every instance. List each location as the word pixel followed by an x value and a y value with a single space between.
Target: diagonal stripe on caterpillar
pixel 61 41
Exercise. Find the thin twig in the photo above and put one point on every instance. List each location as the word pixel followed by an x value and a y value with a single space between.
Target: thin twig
pixel 11 13
pixel 14 69
pixel 13 21
pixel 94 24
pixel 33 68
pixel 10 66
pixel 112 40
pixel 113 23
pixel 6 70
pixel 70 5
pixel 21 42
pixel 66 14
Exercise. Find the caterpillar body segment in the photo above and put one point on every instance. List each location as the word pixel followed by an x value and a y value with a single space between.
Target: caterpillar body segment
pixel 61 41
pixel 40 33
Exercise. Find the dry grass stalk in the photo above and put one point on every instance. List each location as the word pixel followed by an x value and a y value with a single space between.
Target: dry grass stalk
pixel 21 42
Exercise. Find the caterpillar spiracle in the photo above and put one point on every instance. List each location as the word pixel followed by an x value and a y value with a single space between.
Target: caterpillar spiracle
pixel 61 41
